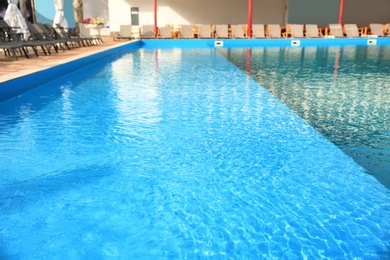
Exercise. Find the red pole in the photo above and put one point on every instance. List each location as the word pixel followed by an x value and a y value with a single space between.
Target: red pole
pixel 249 29
pixel 341 11
pixel 155 17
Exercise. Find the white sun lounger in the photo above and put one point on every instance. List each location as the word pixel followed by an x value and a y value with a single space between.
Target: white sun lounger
pixel 204 31
pixel 258 31
pixel 125 32
pixel 237 31
pixel 165 32
pixel 221 31
pixel 186 32
pixel 147 32
pixel 274 31
pixel 311 31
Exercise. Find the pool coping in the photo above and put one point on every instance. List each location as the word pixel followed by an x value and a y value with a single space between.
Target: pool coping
pixel 14 84
pixel 58 62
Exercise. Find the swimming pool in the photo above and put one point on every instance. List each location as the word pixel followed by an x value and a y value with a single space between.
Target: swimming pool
pixel 343 92
pixel 177 153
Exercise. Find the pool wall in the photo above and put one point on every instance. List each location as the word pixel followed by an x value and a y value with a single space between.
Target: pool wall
pixel 16 87
pixel 253 43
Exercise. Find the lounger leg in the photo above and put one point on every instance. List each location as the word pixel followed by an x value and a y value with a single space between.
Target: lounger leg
pixel 25 53
pixel 44 51
pixel 14 53
pixel 7 53
pixel 55 47
pixel 35 51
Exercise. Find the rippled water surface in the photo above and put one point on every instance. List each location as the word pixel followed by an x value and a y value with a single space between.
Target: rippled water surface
pixel 343 92
pixel 175 154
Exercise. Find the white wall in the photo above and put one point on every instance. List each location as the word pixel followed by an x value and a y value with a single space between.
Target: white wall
pixel 364 12
pixel 318 12
pixel 324 12
pixel 119 11
pixel 217 11
pixel 321 12
pixel 196 11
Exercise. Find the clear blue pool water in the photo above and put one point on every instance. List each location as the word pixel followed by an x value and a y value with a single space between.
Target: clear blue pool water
pixel 343 92
pixel 174 154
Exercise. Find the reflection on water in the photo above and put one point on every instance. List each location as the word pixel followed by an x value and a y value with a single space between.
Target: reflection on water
pixel 344 92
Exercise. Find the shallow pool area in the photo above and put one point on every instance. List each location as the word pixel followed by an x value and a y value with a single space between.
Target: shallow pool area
pixel 175 154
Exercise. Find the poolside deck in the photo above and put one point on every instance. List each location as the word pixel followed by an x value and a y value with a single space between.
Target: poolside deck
pixel 11 69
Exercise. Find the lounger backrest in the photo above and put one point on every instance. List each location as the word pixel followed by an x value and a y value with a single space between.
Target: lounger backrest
pixel 38 29
pixel 3 24
pixel 336 30
pixel 274 30
pixel 221 31
pixel 147 31
pixel 186 31
pixel 4 27
pixel 311 30
pixel 43 30
pixel 35 34
pixel 351 30
pixel 166 32
pixel 125 31
pixel 376 29
pixel 50 30
pixel 258 31
pixel 204 31
pixel 237 31
pixel 296 30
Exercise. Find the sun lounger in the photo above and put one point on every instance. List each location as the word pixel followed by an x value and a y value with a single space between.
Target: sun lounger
pixel 221 31
pixel 296 30
pixel 165 32
pixel 204 31
pixel 258 31
pixel 312 31
pixel 38 36
pixel 60 32
pixel 43 30
pixel 147 32
pixel 336 30
pixel 37 39
pixel 351 30
pixel 12 41
pixel 274 31
pixel 186 32
pixel 10 48
pixel 237 31
pixel 125 32
pixel 377 29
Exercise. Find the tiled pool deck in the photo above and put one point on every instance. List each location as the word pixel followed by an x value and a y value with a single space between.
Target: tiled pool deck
pixel 11 69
